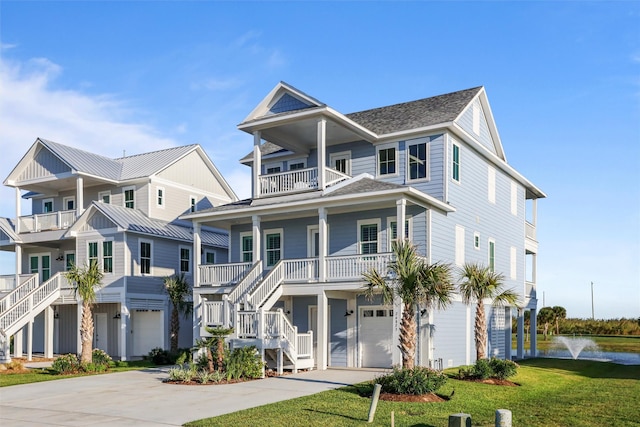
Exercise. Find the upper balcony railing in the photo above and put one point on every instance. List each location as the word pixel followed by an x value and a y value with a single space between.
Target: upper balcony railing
pixel 530 230
pixel 47 221
pixel 296 181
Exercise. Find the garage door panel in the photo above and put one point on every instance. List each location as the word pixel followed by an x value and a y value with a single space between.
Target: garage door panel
pixel 376 336
pixel 147 331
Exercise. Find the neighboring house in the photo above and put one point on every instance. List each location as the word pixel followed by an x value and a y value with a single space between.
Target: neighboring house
pixel 330 193
pixel 121 213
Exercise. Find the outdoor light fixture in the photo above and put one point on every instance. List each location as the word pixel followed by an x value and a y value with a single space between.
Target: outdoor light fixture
pixel 423 312
pixel 348 313
pixel 117 316
pixel 56 315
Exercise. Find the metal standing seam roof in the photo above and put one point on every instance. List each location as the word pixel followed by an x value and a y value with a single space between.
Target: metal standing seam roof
pixel 119 169
pixel 135 221
pixel 7 226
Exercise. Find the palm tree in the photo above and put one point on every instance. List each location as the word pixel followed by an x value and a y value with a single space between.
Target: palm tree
pixel 478 284
pixel 218 335
pixel 85 281
pixel 178 290
pixel 558 314
pixel 414 281
pixel 545 317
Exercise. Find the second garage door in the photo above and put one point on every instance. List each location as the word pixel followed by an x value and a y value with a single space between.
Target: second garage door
pixel 375 336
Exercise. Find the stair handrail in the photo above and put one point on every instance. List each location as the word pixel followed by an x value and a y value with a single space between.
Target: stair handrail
pixel 19 292
pixel 247 282
pixel 257 296
pixel 289 333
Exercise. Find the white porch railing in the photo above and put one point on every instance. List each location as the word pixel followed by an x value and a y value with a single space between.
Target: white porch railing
pixel 19 292
pixel 256 297
pixel 223 274
pixel 47 221
pixel 297 180
pixel 300 270
pixel 333 176
pixel 352 267
pixel 213 313
pixel 246 325
pixel 530 230
pixel 530 290
pixel 246 284
pixel 8 281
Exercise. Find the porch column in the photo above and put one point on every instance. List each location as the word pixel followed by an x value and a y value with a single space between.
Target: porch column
pixel 401 209
pixel 322 333
pixel 18 209
pixel 322 152
pixel 533 343
pixel 79 195
pixel 48 332
pixel 18 250
pixel 17 343
pixel 257 164
pixel 256 238
pixel 322 243
pixel 396 355
pixel 30 340
pixel 508 333
pixel 197 253
pixel 124 327
pixel 352 342
pixel 79 320
pixel 520 335
pixel 198 312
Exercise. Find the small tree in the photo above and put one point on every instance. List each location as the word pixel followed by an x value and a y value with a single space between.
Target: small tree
pixel 178 290
pixel 545 317
pixel 480 283
pixel 558 314
pixel 414 281
pixel 85 281
pixel 217 338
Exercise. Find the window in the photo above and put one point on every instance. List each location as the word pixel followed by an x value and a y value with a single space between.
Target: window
pixel 273 168
pixel 185 259
pixel 476 240
pixel 417 160
pixel 209 257
pixel 160 197
pixel 297 164
pixel 492 255
pixel 341 162
pixel 104 197
pixel 491 184
pixel 129 200
pixel 368 236
pixel 145 257
pixel 455 163
pixel 107 257
pixel 69 203
pixel 69 260
pixel 459 245
pixel 92 253
pixel 387 164
pixel 47 205
pixel 246 247
pixel 273 246
pixel 193 203
pixel 393 229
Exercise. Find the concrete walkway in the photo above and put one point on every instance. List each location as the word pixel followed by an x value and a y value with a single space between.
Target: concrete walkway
pixel 140 398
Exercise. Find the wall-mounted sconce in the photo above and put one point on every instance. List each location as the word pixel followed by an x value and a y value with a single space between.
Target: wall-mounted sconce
pixel 288 312
pixel 423 312
pixel 56 315
pixel 117 316
pixel 348 313
pixel 60 258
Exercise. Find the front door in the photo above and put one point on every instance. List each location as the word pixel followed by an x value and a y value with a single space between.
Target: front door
pixel 41 264
pixel 100 331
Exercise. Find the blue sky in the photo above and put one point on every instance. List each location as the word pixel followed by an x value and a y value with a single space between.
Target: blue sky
pixel 563 80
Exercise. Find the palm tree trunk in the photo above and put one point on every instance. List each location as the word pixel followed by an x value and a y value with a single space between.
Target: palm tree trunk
pixel 175 329
pixel 86 333
pixel 210 360
pixel 408 337
pixel 220 360
pixel 480 331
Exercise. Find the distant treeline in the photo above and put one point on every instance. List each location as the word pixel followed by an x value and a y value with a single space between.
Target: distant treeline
pixel 598 327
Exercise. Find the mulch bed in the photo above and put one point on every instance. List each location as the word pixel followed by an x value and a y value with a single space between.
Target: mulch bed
pixel 421 398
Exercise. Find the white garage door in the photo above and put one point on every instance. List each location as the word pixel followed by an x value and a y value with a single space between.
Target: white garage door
pixel 376 330
pixel 147 331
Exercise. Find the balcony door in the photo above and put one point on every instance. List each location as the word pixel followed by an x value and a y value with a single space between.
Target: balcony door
pixel 41 264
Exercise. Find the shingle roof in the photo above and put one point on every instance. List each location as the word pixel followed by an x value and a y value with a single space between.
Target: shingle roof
pixel 7 226
pixel 415 114
pixel 119 169
pixel 135 221
pixel 265 148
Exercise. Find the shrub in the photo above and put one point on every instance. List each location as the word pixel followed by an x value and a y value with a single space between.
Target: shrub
pixel 243 362
pixel 159 356
pixel 14 365
pixel 419 380
pixel 183 373
pixel 482 369
pixel 503 368
pixel 101 359
pixel 121 364
pixel 488 368
pixel 66 364
pixel 203 376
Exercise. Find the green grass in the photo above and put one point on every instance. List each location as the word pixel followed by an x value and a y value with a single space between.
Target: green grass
pixel 552 392
pixel 46 374
pixel 620 343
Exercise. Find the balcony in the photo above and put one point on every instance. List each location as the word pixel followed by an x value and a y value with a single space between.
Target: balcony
pixel 530 290
pixel 297 181
pixel 44 222
pixel 530 230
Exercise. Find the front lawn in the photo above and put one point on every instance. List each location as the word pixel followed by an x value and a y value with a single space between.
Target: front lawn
pixel 9 378
pixel 552 392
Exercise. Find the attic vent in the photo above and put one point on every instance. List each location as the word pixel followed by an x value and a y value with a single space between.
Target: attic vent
pixel 287 103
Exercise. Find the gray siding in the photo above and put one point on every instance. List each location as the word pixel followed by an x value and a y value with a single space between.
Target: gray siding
pixel 466 122
pixel 177 201
pixel 111 280
pixel 165 259
pixel 450 335
pixel 44 165
pixel 193 172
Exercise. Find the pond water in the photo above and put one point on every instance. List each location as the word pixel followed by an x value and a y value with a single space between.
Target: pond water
pixel 603 356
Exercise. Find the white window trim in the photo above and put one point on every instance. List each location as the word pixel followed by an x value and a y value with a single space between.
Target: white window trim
pixel 341 155
pixel 243 235
pixel 427 150
pixel 190 264
pixel 302 160
pixel 160 200
pixel 139 270
pixel 476 238
pixel 100 242
pixel 193 203
pixel 362 222
pixel 204 256
pixel 264 244
pixel 104 193
pixel 491 184
pixel 459 180
pixel 394 145
pixel 391 219
pixel 65 258
pixel 124 200
pixel 491 241
pixel 273 165
pixel 67 199
pixel 44 201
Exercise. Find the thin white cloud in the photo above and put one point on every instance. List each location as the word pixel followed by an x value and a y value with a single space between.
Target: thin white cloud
pixel 7 46
pixel 215 84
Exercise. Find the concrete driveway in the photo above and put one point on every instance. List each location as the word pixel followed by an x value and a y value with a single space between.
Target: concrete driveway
pixel 140 398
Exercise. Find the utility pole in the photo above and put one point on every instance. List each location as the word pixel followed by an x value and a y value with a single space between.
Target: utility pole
pixel 592 312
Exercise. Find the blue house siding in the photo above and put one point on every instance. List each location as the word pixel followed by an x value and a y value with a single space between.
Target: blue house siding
pixel 449 338
pixel 466 122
